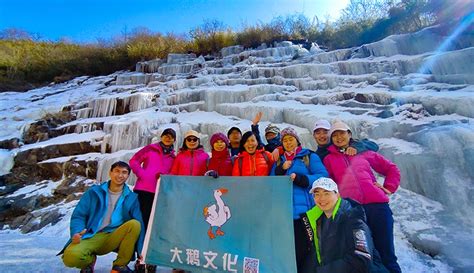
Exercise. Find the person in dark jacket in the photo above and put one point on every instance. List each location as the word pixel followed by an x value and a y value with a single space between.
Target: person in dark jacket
pixel 322 138
pixel 106 219
pixel 234 135
pixel 272 135
pixel 337 229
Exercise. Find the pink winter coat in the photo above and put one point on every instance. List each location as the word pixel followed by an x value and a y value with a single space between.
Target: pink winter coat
pixel 354 176
pixel 148 164
pixel 190 162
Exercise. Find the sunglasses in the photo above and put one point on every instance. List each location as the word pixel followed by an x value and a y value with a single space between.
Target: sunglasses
pixel 192 139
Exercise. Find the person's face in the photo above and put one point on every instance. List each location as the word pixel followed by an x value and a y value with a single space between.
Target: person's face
pixel 269 136
pixel 325 200
pixel 118 176
pixel 219 145
pixel 167 140
pixel 321 136
pixel 251 144
pixel 192 142
pixel 289 143
pixel 341 138
pixel 235 136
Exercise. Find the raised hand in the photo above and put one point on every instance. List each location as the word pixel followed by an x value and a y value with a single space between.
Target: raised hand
pixel 257 118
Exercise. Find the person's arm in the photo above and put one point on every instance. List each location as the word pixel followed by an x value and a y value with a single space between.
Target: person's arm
pixel 316 168
pixel 255 129
pixel 386 168
pixel 358 252
pixel 277 169
pixel 359 146
pixel 137 215
pixel 175 168
pixel 80 215
pixel 137 160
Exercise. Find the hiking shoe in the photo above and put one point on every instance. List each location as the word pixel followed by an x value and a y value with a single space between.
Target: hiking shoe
pixel 90 267
pixel 121 269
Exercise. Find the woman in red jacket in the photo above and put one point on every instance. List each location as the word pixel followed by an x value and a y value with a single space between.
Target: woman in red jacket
pixel 252 159
pixel 220 161
pixel 191 158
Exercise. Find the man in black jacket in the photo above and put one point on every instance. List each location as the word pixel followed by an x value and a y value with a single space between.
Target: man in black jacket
pixel 340 238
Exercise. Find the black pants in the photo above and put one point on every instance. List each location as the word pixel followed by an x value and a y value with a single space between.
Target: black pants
pixel 380 222
pixel 302 249
pixel 146 202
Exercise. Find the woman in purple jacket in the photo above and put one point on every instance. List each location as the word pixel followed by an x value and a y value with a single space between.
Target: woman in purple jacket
pixel 356 180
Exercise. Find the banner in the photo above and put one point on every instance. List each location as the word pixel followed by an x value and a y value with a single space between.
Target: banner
pixel 228 224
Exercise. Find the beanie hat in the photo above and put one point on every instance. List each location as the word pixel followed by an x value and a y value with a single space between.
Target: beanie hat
pixel 322 124
pixel 288 131
pixel 233 129
pixel 339 126
pixel 169 131
pixel 219 136
pixel 272 128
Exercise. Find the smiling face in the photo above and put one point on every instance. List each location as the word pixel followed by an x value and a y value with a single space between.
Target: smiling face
pixel 167 140
pixel 321 136
pixel 219 145
pixel 341 138
pixel 118 176
pixel 251 145
pixel 192 142
pixel 289 143
pixel 325 200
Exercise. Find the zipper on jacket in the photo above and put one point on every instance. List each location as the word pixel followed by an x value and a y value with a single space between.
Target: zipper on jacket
pixel 192 162
pixel 355 176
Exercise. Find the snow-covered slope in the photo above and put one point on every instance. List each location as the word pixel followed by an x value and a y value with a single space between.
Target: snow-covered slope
pixel 58 139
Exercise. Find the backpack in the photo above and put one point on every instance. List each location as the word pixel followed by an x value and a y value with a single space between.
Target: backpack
pixel 241 159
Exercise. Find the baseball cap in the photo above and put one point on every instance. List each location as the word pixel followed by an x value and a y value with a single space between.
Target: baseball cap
pixel 322 123
pixel 324 183
pixel 339 126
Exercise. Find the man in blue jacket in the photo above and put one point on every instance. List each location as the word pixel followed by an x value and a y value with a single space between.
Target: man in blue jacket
pixel 106 219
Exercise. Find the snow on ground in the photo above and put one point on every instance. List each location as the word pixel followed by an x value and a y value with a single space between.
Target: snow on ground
pixel 36 252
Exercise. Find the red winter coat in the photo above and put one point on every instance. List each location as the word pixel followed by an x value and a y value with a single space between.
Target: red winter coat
pixel 354 176
pixel 253 165
pixel 148 164
pixel 190 162
pixel 221 162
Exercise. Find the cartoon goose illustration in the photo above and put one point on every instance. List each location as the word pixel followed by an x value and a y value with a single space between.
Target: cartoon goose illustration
pixel 217 214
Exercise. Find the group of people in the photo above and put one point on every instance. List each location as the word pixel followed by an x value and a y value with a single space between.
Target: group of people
pixel 341 217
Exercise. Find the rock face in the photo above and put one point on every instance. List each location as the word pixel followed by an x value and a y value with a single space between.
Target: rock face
pixel 421 118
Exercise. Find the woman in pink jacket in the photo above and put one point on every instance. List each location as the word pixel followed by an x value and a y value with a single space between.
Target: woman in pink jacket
pixel 356 180
pixel 148 164
pixel 191 159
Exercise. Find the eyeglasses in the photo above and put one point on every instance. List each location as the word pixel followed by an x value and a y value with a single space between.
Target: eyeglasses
pixel 192 139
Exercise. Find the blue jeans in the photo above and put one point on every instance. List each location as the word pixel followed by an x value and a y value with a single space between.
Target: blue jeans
pixel 380 222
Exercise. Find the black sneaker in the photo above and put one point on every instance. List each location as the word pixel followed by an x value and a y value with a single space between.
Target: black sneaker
pixel 121 269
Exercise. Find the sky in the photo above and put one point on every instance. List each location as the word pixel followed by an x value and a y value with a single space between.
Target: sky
pixel 87 20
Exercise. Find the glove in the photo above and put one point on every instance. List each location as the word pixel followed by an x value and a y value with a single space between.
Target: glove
pixel 301 180
pixel 212 173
